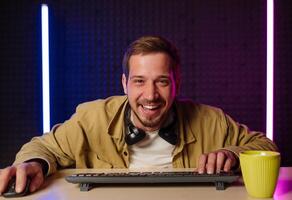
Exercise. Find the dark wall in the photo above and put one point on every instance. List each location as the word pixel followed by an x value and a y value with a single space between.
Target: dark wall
pixel 20 100
pixel 222 45
pixel 283 81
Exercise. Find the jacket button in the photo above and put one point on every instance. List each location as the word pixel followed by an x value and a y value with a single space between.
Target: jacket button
pixel 125 153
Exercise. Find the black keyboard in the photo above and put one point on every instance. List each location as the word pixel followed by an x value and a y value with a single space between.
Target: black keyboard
pixel 88 180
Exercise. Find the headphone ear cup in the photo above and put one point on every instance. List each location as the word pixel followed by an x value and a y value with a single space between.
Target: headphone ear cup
pixel 134 135
pixel 169 135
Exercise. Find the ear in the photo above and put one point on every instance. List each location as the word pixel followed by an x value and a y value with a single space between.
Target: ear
pixel 124 83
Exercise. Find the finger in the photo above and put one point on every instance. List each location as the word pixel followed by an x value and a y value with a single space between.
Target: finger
pixel 36 182
pixel 5 176
pixel 202 163
pixel 211 163
pixel 34 171
pixel 21 176
pixel 220 161
pixel 228 165
pixel 37 179
pixel 231 161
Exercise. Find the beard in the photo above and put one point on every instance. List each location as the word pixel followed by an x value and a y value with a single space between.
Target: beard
pixel 150 121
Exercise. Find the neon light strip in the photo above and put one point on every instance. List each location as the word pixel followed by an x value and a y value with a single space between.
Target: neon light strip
pixel 270 69
pixel 45 68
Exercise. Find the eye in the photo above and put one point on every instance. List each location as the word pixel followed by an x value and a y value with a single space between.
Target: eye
pixel 138 81
pixel 163 82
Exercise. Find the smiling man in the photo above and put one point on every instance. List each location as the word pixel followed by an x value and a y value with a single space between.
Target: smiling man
pixel 149 127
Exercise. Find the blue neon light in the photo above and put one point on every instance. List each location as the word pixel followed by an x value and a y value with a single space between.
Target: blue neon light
pixel 45 68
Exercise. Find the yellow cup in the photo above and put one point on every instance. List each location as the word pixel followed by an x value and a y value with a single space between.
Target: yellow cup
pixel 260 170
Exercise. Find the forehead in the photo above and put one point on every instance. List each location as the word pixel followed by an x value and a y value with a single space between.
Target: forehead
pixel 153 62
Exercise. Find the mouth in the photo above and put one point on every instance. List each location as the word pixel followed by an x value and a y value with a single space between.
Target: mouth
pixel 150 111
pixel 150 107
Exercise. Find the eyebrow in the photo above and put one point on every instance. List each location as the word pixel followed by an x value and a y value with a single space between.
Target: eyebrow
pixel 161 76
pixel 132 77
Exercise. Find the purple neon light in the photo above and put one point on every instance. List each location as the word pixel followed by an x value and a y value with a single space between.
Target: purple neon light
pixel 270 69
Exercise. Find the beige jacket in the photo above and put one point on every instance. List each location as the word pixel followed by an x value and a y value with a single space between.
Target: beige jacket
pixel 94 137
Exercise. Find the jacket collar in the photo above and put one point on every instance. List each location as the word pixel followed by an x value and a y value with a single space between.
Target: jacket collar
pixel 116 125
pixel 186 134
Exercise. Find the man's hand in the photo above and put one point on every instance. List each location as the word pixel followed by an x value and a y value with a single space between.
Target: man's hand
pixel 21 171
pixel 217 161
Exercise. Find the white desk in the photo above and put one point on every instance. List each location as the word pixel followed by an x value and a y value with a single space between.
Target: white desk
pixel 57 188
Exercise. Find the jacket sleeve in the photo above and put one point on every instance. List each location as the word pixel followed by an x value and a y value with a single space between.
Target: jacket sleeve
pixel 55 147
pixel 240 138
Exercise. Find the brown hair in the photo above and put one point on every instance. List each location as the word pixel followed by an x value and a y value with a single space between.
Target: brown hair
pixel 153 44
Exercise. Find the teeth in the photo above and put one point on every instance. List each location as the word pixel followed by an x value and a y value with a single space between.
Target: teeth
pixel 149 107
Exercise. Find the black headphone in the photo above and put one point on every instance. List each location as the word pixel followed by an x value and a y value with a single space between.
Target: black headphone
pixel 134 134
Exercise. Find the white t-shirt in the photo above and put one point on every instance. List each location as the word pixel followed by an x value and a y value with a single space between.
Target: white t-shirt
pixel 152 151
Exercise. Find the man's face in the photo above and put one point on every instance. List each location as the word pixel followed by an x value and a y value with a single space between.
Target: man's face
pixel 150 88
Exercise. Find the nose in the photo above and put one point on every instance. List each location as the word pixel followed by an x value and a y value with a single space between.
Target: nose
pixel 150 92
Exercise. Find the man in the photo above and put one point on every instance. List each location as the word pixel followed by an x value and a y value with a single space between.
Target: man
pixel 149 127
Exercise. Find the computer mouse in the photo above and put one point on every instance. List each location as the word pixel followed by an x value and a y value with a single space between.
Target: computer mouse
pixel 10 189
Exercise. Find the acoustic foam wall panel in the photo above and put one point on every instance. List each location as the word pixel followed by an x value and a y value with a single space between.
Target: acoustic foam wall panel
pixel 20 77
pixel 222 44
